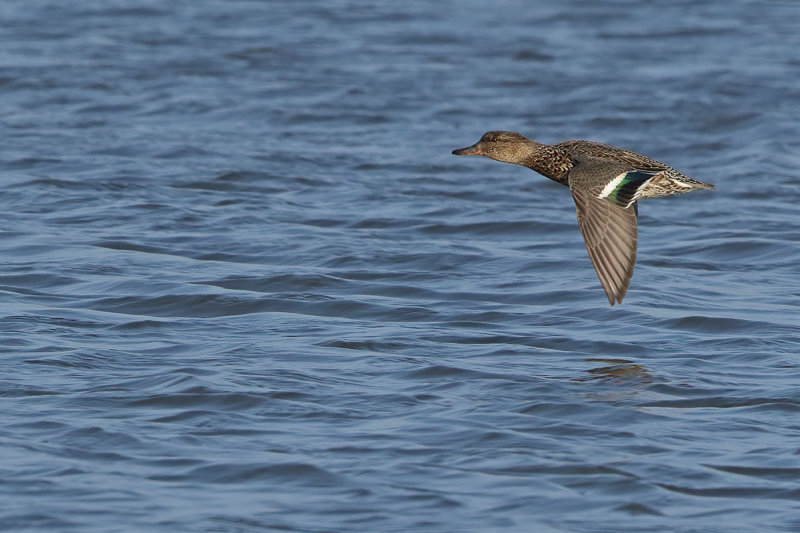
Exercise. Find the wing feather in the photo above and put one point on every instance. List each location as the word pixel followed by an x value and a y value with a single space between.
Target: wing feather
pixel 610 234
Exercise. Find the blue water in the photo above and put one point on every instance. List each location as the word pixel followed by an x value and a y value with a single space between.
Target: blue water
pixel 246 287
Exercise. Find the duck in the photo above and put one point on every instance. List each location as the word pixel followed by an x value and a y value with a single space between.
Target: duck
pixel 606 183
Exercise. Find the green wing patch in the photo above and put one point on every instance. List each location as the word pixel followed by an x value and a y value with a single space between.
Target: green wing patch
pixel 627 190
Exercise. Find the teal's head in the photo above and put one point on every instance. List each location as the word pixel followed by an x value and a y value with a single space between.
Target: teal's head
pixel 506 146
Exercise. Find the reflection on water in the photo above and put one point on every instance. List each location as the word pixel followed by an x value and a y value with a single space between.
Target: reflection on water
pixel 619 370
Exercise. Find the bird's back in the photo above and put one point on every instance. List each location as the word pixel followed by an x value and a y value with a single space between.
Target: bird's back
pixel 578 148
pixel 666 180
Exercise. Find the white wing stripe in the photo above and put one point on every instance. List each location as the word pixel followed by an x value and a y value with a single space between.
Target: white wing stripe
pixel 609 188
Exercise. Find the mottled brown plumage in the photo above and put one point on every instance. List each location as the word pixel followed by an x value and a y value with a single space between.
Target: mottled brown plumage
pixel 606 183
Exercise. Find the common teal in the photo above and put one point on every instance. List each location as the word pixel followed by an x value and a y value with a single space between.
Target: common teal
pixel 606 183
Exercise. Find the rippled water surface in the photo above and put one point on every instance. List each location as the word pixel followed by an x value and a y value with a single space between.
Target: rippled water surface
pixel 246 287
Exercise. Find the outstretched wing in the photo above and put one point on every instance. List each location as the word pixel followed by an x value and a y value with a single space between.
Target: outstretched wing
pixel 610 233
